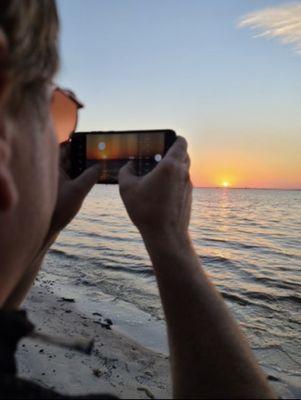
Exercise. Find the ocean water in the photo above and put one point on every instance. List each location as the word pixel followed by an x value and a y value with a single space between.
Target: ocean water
pixel 249 242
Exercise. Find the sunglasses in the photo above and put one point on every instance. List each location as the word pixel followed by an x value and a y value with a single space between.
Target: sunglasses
pixel 64 111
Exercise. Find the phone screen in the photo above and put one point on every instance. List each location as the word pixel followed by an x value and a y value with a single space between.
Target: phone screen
pixel 113 150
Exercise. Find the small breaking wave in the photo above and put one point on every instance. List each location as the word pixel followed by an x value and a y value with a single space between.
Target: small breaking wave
pixel 235 298
pixel 62 253
pixel 217 260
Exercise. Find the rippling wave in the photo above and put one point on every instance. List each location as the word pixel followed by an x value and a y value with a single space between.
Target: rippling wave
pixel 249 242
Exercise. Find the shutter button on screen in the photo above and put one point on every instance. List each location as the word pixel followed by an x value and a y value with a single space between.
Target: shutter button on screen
pixel 158 157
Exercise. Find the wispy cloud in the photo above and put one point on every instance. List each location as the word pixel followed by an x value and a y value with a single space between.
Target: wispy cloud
pixel 281 22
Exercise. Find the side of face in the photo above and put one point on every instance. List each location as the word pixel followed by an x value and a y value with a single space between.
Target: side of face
pixel 28 189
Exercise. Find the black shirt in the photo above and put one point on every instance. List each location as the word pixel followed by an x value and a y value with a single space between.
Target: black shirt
pixel 14 325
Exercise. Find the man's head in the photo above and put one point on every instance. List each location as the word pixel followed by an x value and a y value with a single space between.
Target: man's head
pixel 28 148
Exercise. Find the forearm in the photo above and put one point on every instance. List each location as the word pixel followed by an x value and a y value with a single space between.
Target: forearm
pixel 25 283
pixel 210 358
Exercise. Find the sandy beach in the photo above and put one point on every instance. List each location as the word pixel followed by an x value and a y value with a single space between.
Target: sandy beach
pixel 117 365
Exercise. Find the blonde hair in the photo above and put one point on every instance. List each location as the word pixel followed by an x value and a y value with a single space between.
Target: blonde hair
pixel 30 29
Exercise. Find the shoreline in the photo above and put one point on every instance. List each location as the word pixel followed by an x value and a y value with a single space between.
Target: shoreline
pixel 118 365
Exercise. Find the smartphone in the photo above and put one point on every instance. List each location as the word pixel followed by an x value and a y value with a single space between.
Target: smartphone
pixel 113 149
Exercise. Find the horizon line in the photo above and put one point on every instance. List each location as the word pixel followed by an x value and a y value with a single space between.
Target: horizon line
pixel 245 188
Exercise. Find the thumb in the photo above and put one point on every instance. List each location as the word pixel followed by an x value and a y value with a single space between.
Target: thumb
pixel 127 175
pixel 84 182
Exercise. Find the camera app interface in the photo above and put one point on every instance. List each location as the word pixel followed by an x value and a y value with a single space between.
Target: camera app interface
pixel 116 149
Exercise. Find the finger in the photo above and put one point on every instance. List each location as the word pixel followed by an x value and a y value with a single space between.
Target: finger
pixel 187 161
pixel 189 189
pixel 127 174
pixel 187 175
pixel 64 149
pixel 84 182
pixel 65 157
pixel 178 150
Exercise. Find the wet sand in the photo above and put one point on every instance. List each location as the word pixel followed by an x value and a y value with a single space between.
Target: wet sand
pixel 117 365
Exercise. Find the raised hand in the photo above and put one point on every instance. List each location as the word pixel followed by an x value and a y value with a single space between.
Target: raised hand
pixel 160 202
pixel 71 192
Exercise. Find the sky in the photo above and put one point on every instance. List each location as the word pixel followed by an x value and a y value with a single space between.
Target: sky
pixel 225 74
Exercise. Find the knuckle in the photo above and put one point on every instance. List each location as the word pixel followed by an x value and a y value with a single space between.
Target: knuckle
pixel 186 175
pixel 182 141
pixel 121 172
pixel 169 166
pixel 123 186
pixel 122 179
pixel 184 171
pixel 188 159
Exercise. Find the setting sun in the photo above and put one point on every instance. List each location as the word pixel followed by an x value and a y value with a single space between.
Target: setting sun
pixel 225 184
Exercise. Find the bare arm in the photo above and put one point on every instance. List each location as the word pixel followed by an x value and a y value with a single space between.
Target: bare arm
pixel 210 357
